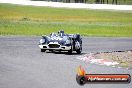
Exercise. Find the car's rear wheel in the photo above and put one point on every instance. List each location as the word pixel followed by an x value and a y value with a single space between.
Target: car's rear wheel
pixel 79 50
pixel 43 50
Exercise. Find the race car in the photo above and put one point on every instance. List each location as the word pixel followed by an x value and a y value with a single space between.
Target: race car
pixel 61 42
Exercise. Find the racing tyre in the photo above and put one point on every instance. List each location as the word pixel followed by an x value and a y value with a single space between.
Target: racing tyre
pixel 79 50
pixel 71 50
pixel 43 50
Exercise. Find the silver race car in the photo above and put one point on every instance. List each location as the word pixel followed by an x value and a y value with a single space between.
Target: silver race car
pixel 61 42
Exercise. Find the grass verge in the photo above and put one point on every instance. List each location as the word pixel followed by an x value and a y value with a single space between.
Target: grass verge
pixel 31 20
pixel 124 58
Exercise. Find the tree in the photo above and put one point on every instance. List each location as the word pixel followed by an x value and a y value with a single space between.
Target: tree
pixel 102 1
pixel 97 1
pixel 80 1
pixel 107 1
pixel 114 1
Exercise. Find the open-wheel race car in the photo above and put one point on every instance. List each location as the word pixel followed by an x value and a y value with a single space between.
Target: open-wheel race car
pixel 61 42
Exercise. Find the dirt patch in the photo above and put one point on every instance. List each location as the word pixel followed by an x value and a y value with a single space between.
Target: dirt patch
pixel 124 58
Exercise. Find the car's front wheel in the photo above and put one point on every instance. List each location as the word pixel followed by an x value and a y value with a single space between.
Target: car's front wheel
pixel 71 50
pixel 43 50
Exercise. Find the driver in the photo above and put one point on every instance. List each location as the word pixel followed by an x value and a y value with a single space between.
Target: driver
pixel 61 33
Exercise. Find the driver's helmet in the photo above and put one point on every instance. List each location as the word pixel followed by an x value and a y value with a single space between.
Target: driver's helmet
pixel 61 33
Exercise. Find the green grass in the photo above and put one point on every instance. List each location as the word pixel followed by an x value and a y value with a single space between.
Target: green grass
pixel 31 20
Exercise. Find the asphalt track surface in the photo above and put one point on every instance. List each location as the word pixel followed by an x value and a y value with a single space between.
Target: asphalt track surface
pixel 22 65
